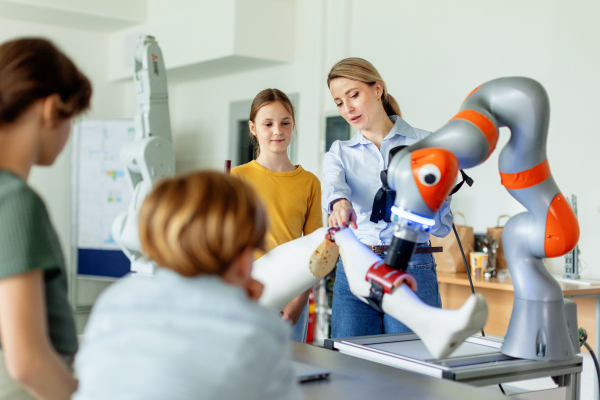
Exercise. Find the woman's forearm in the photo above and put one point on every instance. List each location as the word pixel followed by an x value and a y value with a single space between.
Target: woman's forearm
pixel 29 357
pixel 334 185
pixel 44 375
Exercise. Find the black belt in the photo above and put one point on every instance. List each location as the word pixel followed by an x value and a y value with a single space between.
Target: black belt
pixel 379 250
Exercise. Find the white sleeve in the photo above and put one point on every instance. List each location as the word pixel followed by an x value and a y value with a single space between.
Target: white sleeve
pixel 443 221
pixel 334 184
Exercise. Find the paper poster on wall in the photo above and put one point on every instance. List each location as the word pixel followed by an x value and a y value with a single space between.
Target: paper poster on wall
pixel 100 194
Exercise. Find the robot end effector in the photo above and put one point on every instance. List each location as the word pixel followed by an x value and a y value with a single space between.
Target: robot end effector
pixel 426 177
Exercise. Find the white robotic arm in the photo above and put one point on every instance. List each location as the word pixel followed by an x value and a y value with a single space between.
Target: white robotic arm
pixel 442 331
pixel 292 268
pixel 150 156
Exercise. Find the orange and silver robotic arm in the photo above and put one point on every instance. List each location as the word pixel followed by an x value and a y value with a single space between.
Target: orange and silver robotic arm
pixel 426 171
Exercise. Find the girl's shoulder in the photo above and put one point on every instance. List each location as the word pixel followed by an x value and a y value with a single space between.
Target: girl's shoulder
pixel 11 185
pixel 19 201
pixel 244 169
pixel 308 177
pixel 307 174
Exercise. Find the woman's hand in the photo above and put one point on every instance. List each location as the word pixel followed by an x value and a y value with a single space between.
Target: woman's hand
pixel 342 214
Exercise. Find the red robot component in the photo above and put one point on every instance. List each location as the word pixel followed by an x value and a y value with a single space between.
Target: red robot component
pixel 384 279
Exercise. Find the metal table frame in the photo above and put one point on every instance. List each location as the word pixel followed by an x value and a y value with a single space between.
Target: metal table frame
pixel 597 330
pixel 489 368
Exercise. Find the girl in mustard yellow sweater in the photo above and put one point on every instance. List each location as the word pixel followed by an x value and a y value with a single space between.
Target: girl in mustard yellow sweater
pixel 291 195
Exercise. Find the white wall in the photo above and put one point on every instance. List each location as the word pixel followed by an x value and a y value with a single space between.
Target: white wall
pixel 200 108
pixel 432 54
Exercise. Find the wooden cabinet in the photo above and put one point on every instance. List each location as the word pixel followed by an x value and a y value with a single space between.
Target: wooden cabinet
pixel 455 289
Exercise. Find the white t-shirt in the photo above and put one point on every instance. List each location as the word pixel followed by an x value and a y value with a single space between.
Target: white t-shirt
pixel 171 337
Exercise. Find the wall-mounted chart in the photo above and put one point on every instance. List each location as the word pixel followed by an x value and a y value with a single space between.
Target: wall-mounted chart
pixel 100 193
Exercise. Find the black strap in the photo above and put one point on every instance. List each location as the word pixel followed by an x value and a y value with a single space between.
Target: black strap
pixel 393 152
pixel 383 201
pixel 377 202
pixel 385 197
pixel 465 179
pixel 376 296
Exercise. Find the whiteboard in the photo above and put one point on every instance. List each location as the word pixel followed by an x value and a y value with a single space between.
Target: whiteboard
pixel 100 193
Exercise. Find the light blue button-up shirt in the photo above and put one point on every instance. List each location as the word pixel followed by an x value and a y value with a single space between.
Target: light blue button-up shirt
pixel 172 337
pixel 351 170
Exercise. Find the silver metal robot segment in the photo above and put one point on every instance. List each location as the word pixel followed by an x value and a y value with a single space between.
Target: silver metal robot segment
pixel 538 326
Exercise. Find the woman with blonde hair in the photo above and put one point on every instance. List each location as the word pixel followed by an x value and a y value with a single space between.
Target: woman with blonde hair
pixel 193 331
pixel 291 194
pixel 351 180
pixel 41 91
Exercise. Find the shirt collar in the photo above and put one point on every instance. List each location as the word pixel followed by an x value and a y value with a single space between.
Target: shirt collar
pixel 400 127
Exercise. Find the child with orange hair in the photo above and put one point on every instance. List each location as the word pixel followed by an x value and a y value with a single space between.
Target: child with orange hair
pixel 194 331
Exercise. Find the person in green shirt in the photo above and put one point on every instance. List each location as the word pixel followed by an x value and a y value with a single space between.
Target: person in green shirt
pixel 41 90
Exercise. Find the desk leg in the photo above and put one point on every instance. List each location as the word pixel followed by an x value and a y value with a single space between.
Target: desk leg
pixel 573 385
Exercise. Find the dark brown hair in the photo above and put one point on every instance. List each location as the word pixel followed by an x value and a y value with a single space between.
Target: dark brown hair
pixel 359 69
pixel 33 69
pixel 265 98
pixel 200 223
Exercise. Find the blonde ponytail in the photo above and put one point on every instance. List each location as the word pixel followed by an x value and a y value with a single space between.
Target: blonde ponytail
pixel 390 105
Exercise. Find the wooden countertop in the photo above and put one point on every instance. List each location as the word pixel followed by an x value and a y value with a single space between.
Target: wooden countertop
pixel 569 289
